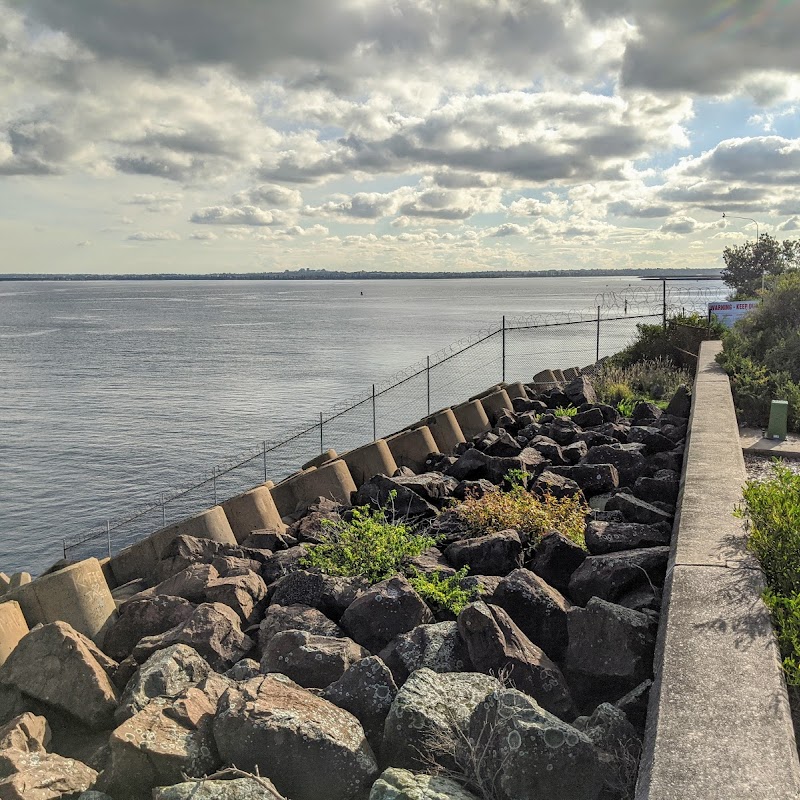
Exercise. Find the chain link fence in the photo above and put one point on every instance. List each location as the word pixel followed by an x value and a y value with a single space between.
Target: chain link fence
pixel 515 350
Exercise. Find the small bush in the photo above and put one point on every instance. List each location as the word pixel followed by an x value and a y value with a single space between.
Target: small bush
pixel 772 515
pixel 368 545
pixel 531 516
pixel 654 380
pixel 785 613
pixel 444 593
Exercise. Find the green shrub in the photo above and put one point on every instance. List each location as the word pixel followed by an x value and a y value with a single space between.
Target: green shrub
pixel 772 517
pixel 444 593
pixel 652 379
pixel 531 516
pixel 679 344
pixel 785 612
pixel 369 545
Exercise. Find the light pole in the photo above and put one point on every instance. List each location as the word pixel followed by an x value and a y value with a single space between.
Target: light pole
pixel 749 219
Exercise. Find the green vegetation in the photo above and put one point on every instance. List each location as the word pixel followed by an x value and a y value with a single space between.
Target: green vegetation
pixel 762 355
pixel 772 516
pixel 531 516
pixel 559 411
pixel 625 384
pixel 444 593
pixel 748 265
pixel 369 545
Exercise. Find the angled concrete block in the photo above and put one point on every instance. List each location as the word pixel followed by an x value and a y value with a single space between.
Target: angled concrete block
pixel 495 403
pixel 12 628
pixel 411 448
pixel 445 430
pixel 472 419
pixel 369 460
pixel 253 510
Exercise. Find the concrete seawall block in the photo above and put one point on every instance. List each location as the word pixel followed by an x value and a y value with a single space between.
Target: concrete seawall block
pixel 252 511
pixel 485 392
pixel 371 459
pixel 445 430
pixel 77 594
pixel 209 524
pixel 139 560
pixel 12 628
pixel 411 448
pixel 332 481
pixel 472 419
pixel 516 390
pixel 322 458
pixel 718 725
pixel 495 403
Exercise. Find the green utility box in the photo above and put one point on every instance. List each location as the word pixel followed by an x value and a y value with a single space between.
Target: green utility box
pixel 778 419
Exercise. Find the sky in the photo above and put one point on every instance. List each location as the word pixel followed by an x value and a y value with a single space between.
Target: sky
pixel 196 136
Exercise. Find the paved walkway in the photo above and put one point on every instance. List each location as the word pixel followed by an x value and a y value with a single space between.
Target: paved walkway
pixel 753 441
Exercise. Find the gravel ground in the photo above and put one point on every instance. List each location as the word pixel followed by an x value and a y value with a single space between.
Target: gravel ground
pixel 759 467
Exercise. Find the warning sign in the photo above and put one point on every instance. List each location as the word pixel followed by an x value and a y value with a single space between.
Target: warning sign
pixel 729 311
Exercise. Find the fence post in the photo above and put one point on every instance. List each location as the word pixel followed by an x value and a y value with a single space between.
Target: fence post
pixel 64 542
pixel 108 536
pixel 597 356
pixel 321 447
pixel 264 443
pixel 429 384
pixel 504 349
pixel 374 417
pixel 664 303
pixel 163 511
pixel 214 482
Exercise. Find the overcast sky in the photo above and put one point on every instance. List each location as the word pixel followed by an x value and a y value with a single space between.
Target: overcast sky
pixel 201 136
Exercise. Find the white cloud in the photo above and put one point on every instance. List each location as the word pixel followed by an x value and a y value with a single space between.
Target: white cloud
pixel 153 236
pixel 243 215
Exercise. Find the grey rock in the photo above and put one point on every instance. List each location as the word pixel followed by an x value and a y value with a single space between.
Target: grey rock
pixel 331 594
pixel 636 510
pixel 437 646
pixel 663 486
pixel 402 784
pixel 574 452
pixel 612 537
pixel 166 673
pixel 407 503
pixel 190 583
pixel 492 554
pixel 387 609
pixel 591 478
pixel 628 461
pixel 496 645
pixel 308 747
pixel 235 789
pixel 558 486
pixel 309 660
pixel 367 690
pixel 432 706
pixel 295 617
pixel 283 563
pixel 246 594
pixel 431 562
pixel 534 754
pixel 556 558
pixel 652 439
pixel 681 403
pixel 244 670
pixel 612 575
pixel 580 390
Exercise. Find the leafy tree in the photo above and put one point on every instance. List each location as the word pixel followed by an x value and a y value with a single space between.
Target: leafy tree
pixel 745 265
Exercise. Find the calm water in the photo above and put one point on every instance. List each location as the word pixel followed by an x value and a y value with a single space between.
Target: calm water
pixel 111 392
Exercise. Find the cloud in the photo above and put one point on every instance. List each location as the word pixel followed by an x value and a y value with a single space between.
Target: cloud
pixel 641 209
pixel 204 236
pixel 243 215
pixel 791 224
pixel 153 236
pixel 508 229
pixel 679 225
pixel 270 195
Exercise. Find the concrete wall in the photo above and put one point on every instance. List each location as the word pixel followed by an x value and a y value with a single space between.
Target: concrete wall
pixel 718 726
pixel 12 628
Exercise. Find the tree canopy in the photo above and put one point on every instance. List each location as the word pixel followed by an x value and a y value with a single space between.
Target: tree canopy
pixel 745 265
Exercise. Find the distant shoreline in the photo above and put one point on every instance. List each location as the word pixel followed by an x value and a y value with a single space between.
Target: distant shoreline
pixel 338 275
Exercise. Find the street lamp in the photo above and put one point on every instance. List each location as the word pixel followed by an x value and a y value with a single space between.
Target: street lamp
pixel 749 219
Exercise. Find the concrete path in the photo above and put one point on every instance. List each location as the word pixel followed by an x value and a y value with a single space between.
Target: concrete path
pixel 753 441
pixel 718 726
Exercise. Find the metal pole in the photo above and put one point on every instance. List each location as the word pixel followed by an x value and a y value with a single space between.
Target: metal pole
pixel 374 417
pixel 504 349
pixel 108 536
pixel 214 482
pixel 64 542
pixel 664 303
pixel 321 448
pixel 163 511
pixel 597 351
pixel 429 384
pixel 264 443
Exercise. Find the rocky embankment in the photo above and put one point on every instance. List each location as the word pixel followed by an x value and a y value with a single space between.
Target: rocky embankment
pixel 237 663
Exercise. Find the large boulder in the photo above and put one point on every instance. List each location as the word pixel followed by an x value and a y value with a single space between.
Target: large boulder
pixel 592 478
pixel 283 563
pixel 331 594
pixel 309 660
pixel 164 742
pixel 556 558
pixel 62 668
pixel 246 594
pixel 431 486
pixel 532 754
pixel 145 616
pixel 539 610
pixel 492 554
pixel 610 650
pixel 636 510
pixel 214 631
pixel 681 403
pixel 628 460
pixel 653 440
pixel 295 617
pixel 190 583
pixel 387 609
pixel 246 788
pixel 367 690
pixel 166 673
pixel 663 487
pixel 377 493
pixel 611 537
pixel 497 646
pixel 402 784
pixel 42 776
pixel 612 575
pixel 438 647
pixel 429 717
pixel 580 390
pixel 309 748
